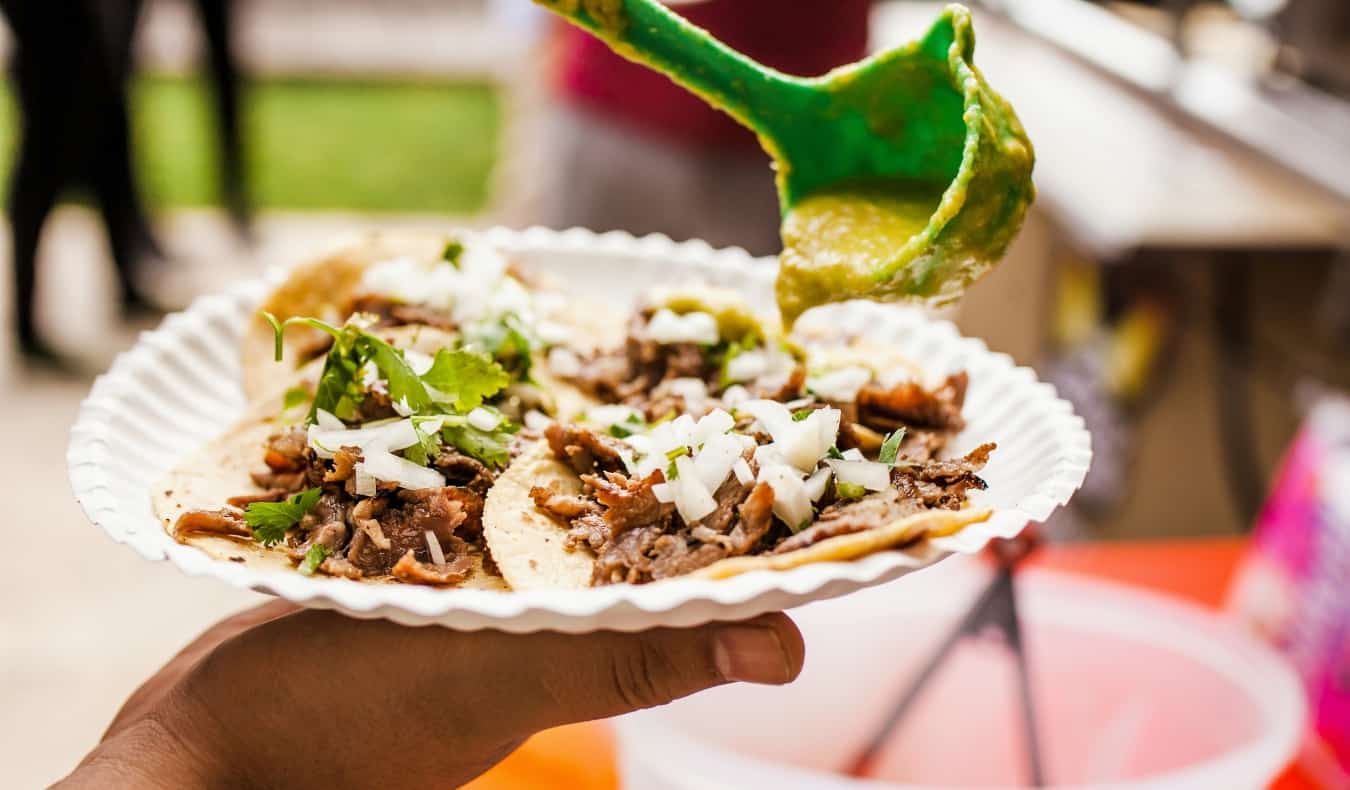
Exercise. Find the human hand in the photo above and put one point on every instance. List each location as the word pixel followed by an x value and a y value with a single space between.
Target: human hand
pixel 282 697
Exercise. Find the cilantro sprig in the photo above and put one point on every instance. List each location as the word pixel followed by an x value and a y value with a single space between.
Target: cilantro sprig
pixel 270 520
pixel 890 448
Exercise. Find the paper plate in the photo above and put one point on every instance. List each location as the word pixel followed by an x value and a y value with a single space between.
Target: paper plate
pixel 178 387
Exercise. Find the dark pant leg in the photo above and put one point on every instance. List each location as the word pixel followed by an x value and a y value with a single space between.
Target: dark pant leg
pixel 48 151
pixel 225 88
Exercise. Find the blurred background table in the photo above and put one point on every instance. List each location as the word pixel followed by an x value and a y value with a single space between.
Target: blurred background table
pixel 1198 570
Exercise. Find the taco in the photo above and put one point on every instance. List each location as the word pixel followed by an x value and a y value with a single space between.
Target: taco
pixel 456 283
pixel 719 448
pixel 373 465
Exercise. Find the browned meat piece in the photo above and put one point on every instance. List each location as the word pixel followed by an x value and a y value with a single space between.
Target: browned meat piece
pixel 344 465
pixel 625 559
pixel 583 449
pixel 728 496
pixel 684 361
pixel 589 530
pixel 229 522
pixel 628 502
pixel 909 404
pixel 756 514
pixel 338 566
pixel 943 484
pixel 287 451
pixel 630 374
pixel 403 523
pixel 674 555
pixel 391 313
pixel 414 571
pixel 462 470
pixel 376 406
pixel 564 506
pixel 918 487
pixel 844 518
pixel 285 481
pixel 244 500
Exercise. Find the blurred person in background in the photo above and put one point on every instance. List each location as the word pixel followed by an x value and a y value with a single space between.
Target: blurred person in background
pixel 71 63
pixel 631 150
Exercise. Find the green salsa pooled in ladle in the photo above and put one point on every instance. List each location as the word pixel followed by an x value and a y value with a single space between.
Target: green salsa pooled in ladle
pixel 902 176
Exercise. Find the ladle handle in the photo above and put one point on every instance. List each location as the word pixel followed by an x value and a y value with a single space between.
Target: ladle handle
pixel 647 32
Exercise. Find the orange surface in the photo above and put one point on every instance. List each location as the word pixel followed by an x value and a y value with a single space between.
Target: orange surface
pixel 582 756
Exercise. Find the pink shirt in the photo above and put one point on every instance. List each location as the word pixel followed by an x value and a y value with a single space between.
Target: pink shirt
pixel 801 37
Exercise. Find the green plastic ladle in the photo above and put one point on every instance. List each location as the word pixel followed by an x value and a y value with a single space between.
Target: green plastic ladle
pixel 901 176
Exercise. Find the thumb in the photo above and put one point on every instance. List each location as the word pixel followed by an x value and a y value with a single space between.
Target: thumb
pixel 564 678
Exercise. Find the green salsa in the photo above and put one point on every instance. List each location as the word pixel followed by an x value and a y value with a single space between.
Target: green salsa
pixel 836 241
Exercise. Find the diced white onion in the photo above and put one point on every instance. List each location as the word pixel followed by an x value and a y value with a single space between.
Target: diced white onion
pixel 401 407
pixel 564 362
pixel 536 420
pixel 742 470
pixel 840 385
pixel 434 546
pixel 484 420
pixel 869 474
pixel 790 500
pixel 715 423
pixel 664 493
pixel 773 416
pixel 552 333
pixel 735 395
pixel 694 391
pixel 803 443
pixel 611 414
pixel 713 463
pixel 853 454
pixel 328 422
pixel 365 482
pixel 667 327
pixel 385 435
pixel 747 366
pixel 390 468
pixel 816 483
pixel 692 499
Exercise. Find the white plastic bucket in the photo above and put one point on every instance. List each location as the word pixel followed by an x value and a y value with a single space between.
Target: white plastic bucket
pixel 1133 692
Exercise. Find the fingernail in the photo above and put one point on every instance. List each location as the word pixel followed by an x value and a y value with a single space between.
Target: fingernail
pixel 751 654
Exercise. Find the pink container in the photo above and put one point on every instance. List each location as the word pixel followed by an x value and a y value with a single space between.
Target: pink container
pixel 1133 691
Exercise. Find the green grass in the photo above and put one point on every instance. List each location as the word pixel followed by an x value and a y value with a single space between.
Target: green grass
pixel 317 144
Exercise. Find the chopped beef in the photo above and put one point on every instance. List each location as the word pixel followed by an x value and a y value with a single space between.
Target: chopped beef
pixel 462 470
pixel 344 465
pixel 943 484
pixel 631 374
pixel 909 404
pixel 285 481
pixel 792 387
pixel 275 495
pixel 339 566
pixel 229 522
pixel 393 313
pixel 287 451
pixel 376 406
pixel 567 506
pixel 412 570
pixel 628 502
pixel 756 519
pixel 583 449
pixel 390 532
pixel 845 518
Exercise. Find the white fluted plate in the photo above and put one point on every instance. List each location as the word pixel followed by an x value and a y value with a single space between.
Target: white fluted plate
pixel 179 387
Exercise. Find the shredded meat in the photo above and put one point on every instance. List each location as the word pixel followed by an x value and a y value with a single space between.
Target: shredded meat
pixel 344 465
pixel 909 404
pixel 229 522
pixel 628 502
pixel 631 374
pixel 392 313
pixel 566 506
pixel 410 569
pixel 287 451
pixel 245 500
pixel 462 470
pixel 397 525
pixel 583 449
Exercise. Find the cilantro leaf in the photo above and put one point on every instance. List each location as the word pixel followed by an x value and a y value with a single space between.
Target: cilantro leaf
pixel 849 490
pixel 314 558
pixel 467 377
pixel 834 453
pixel 627 427
pixel 428 445
pixel 491 447
pixel 404 385
pixel 453 249
pixel 270 520
pixel 891 447
pixel 801 414
pixel 295 396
